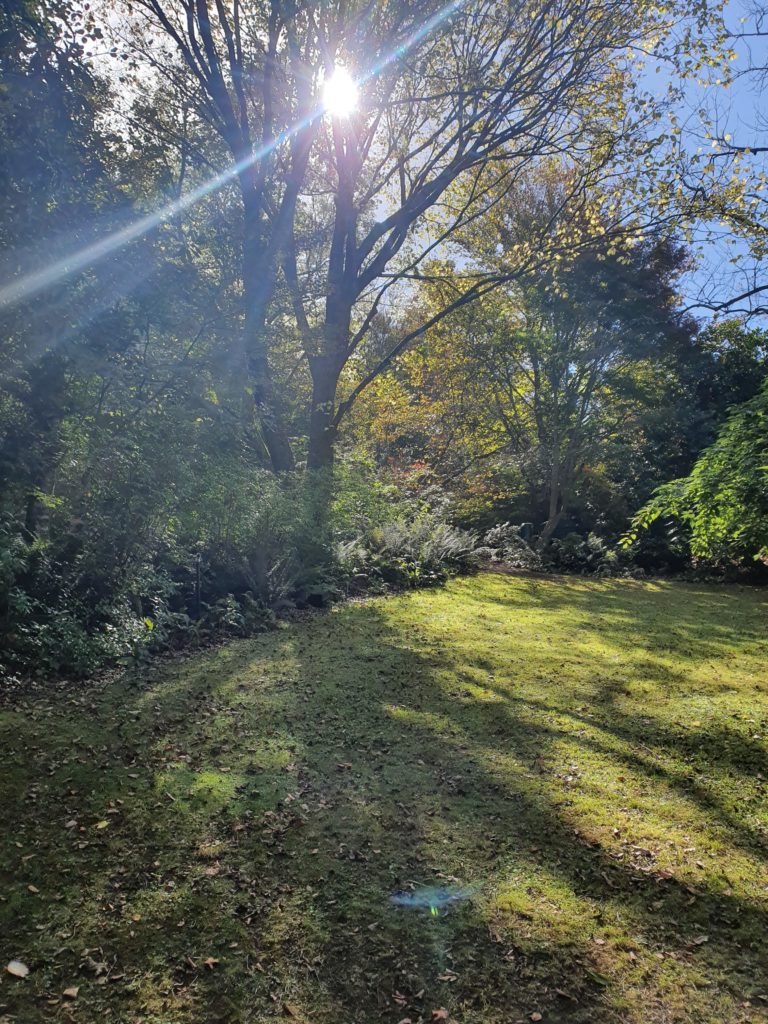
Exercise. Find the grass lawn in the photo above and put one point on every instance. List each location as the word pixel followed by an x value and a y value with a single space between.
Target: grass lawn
pixel 562 783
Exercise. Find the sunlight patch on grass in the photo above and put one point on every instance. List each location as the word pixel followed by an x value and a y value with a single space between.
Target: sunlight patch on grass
pixel 586 758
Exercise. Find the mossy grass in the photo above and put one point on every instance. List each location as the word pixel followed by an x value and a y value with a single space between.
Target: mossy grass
pixel 562 783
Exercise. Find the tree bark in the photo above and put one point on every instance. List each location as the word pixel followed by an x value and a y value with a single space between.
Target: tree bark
pixel 259 273
pixel 322 431
pixel 555 509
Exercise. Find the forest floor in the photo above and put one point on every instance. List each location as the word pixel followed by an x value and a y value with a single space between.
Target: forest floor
pixel 511 799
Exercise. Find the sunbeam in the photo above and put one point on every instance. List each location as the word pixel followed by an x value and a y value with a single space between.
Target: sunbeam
pixel 30 284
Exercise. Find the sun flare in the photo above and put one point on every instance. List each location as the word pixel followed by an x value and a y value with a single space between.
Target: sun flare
pixel 340 93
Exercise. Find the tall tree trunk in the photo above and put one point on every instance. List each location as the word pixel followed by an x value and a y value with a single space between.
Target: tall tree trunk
pixel 322 431
pixel 259 273
pixel 322 440
pixel 555 506
pixel 326 368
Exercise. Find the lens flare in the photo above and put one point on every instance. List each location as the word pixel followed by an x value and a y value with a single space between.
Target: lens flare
pixel 432 897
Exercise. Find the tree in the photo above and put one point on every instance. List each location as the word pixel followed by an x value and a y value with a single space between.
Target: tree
pixel 246 66
pixel 724 501
pixel 52 164
pixel 448 122
pixel 720 166
pixel 725 367
pixel 581 334
pixel 440 140
pixel 541 381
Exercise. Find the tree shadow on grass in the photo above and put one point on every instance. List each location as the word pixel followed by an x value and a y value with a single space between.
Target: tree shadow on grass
pixel 655 615
pixel 271 797
pixel 448 749
pixel 642 749
pixel 532 825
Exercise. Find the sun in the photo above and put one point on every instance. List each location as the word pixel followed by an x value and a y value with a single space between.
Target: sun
pixel 340 93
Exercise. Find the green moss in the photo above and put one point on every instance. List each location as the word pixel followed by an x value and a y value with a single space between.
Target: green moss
pixel 584 762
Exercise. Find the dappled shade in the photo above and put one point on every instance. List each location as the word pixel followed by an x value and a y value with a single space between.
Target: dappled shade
pixel 580 761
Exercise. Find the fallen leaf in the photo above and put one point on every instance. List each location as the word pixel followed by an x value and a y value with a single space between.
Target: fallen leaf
pixel 71 992
pixel 17 969
pixel 32 888
pixel 101 824
pixel 441 1014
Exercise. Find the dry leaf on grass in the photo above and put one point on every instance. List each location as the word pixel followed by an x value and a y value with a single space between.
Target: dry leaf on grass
pixel 291 1010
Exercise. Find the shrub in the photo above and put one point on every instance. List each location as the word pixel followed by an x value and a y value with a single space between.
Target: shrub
pixel 505 544
pixel 723 503
pixel 590 556
pixel 215 553
pixel 407 552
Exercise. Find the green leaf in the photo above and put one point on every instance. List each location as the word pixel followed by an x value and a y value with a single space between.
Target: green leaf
pixel 599 979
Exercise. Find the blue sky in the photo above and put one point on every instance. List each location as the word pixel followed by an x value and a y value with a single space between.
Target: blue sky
pixel 741 110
